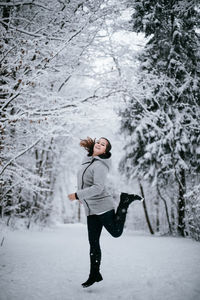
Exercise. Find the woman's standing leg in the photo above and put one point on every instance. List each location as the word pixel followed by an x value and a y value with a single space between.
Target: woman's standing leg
pixel 94 231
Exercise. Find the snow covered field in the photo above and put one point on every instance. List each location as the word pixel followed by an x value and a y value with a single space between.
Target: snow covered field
pixel 51 265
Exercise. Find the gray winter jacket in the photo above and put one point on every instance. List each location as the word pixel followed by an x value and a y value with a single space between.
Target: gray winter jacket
pixel 91 185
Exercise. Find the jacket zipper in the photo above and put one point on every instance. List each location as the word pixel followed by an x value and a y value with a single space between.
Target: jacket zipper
pixel 83 184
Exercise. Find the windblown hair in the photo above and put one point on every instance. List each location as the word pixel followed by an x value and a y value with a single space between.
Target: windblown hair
pixel 89 143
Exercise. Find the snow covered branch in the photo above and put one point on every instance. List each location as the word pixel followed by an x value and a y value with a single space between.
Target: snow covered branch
pixel 20 154
pixel 17 4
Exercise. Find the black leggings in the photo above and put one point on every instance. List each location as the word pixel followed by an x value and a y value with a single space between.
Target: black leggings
pixel 114 224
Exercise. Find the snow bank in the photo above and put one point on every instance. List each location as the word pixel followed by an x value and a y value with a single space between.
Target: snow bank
pixel 51 265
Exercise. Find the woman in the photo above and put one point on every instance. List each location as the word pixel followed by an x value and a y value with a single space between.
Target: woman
pixel 97 201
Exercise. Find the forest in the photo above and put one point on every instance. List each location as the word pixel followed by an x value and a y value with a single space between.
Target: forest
pixel 128 70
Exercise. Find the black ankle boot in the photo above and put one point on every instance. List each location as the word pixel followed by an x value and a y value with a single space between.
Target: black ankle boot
pixel 127 199
pixel 93 277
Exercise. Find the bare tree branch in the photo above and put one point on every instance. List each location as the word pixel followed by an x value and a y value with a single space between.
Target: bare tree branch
pixel 10 100
pixel 64 82
pixel 5 4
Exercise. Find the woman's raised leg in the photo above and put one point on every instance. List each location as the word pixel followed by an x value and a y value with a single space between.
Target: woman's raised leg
pixel 114 222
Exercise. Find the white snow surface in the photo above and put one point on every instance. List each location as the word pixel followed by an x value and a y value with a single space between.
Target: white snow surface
pixel 51 264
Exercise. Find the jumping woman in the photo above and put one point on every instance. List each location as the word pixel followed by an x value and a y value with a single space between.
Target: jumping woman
pixel 97 201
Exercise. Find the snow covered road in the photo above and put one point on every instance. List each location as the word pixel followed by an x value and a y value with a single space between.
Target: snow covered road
pixel 51 265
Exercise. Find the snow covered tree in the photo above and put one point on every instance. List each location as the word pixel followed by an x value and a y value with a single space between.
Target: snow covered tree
pixel 193 213
pixel 42 45
pixel 162 123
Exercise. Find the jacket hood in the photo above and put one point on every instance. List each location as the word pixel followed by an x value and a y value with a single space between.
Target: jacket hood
pixel 105 161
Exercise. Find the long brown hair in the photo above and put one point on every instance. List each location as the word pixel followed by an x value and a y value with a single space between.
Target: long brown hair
pixel 89 143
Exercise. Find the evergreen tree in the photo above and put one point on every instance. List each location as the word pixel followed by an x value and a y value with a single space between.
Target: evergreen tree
pixel 163 122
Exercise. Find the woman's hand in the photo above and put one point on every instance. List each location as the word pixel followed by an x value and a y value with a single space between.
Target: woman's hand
pixel 72 197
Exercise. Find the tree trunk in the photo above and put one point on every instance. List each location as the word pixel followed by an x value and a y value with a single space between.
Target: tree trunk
pixel 173 222
pixel 181 204
pixel 166 209
pixel 157 216
pixel 145 210
pixel 6 15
